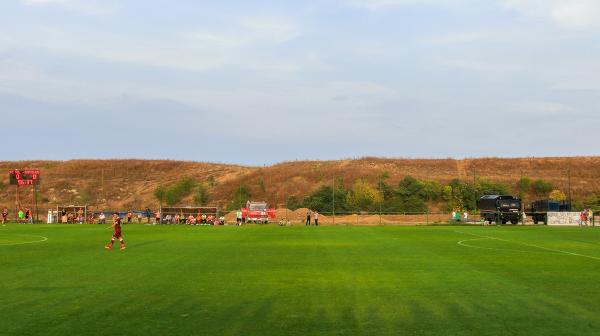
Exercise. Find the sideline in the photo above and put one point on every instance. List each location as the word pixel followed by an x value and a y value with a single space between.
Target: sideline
pixel 554 251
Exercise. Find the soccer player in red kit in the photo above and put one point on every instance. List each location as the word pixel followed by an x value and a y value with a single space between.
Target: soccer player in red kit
pixel 117 234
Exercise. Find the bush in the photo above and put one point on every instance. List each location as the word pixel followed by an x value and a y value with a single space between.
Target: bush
pixel 174 194
pixel 201 197
pixel 180 190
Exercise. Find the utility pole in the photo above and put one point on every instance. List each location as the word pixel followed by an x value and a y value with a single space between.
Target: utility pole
pixel 333 200
pixel 569 182
pixel 381 192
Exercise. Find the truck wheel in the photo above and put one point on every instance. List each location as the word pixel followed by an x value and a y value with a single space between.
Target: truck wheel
pixel 514 221
pixel 504 221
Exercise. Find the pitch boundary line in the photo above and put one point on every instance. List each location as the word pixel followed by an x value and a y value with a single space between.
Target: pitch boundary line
pixel 555 251
pixel 29 242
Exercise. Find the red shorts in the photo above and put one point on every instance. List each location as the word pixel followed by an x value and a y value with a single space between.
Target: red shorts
pixel 117 234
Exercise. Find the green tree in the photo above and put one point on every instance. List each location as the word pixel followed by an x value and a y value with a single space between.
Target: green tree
pixel 322 199
pixel 240 197
pixel 541 188
pixel 293 203
pixel 524 184
pixel 160 193
pixel 432 190
pixel 363 197
pixel 201 196
pixel 487 187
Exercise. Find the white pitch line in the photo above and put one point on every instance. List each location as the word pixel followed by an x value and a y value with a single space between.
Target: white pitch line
pixel 30 242
pixel 530 245
pixel 462 243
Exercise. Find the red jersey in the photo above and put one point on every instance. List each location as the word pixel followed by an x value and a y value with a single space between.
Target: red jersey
pixel 117 227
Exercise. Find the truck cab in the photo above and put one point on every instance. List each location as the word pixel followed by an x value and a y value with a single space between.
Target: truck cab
pixel 500 209
pixel 257 212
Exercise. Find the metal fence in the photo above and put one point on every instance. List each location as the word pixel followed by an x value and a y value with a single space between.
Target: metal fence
pixel 365 218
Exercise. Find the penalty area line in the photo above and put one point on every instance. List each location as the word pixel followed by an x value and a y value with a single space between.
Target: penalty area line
pixel 481 237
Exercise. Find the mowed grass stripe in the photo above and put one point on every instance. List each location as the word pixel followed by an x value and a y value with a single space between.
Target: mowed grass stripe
pixel 297 281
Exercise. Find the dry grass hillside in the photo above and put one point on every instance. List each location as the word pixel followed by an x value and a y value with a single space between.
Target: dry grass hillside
pixel 122 184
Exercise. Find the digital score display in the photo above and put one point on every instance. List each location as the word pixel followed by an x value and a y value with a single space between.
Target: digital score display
pixel 24 177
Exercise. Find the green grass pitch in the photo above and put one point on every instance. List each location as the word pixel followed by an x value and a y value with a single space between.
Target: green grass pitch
pixel 59 280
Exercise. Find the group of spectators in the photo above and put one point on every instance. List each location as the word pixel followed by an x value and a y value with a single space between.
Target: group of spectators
pixel 314 216
pixel 586 217
pixel 23 216
pixel 456 216
pixel 199 219
pixel 72 217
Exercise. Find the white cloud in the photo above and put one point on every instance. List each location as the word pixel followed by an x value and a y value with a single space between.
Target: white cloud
pixel 90 7
pixel 578 14
pixel 244 45
pixel 542 109
pixel 378 4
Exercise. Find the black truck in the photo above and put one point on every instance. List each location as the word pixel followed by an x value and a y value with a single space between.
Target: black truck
pixel 500 209
pixel 538 210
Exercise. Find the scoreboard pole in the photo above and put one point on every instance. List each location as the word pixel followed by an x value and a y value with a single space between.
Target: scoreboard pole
pixel 37 217
pixel 17 205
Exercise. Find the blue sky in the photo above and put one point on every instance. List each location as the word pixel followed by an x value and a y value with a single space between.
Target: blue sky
pixel 258 82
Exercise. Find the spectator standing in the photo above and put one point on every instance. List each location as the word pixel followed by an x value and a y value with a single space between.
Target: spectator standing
pixel 157 217
pixel 582 218
pixel 20 216
pixel 466 217
pixel 316 217
pixel 80 216
pixel 139 217
pixel 102 218
pixel 129 217
pixel 4 216
pixel 148 214
pixel 308 214
pixel 30 215
pixel 238 217
pixel 453 215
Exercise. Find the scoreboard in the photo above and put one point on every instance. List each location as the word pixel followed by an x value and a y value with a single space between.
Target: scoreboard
pixel 24 177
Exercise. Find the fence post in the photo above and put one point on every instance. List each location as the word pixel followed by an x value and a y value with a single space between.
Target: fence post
pixel 427 216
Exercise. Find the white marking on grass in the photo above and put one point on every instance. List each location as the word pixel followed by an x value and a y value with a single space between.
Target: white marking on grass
pixel 28 242
pixel 520 243
pixel 462 243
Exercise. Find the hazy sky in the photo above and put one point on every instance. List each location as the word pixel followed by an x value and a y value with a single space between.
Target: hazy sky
pixel 257 82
